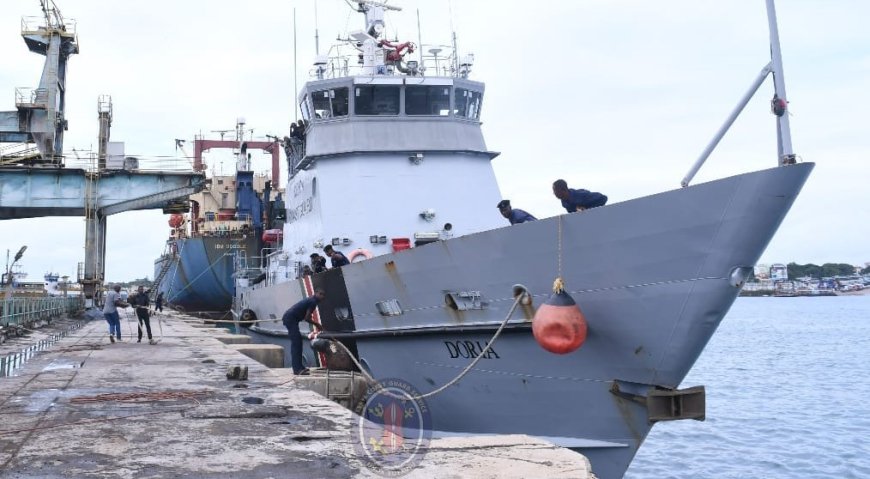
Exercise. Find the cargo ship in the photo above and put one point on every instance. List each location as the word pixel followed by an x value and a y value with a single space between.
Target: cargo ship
pixel 235 217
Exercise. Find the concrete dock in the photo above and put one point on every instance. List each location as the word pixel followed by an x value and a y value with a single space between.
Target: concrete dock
pixel 87 408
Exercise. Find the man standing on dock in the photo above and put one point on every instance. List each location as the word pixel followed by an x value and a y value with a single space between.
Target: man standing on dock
pixel 110 312
pixel 301 311
pixel 577 200
pixel 141 302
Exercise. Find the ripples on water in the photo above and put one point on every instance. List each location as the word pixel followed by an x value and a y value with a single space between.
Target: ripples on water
pixel 788 396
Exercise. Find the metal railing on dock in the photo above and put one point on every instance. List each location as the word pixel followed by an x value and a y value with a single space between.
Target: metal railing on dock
pixel 19 311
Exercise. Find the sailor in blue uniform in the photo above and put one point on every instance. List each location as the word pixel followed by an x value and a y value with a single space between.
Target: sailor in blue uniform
pixel 577 200
pixel 300 311
pixel 337 257
pixel 514 215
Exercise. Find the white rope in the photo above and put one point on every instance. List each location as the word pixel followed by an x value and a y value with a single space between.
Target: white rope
pixel 460 375
pixel 190 283
pixel 174 273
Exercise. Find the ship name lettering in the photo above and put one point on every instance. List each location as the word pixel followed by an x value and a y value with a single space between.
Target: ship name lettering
pixel 227 246
pixel 300 210
pixel 469 350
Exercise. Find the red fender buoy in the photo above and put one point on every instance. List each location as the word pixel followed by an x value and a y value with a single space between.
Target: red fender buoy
pixel 176 220
pixel 559 326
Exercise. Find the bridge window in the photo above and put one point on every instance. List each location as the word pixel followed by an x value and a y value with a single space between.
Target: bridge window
pixel 376 100
pixel 427 100
pixel 468 103
pixel 330 103
pixel 306 112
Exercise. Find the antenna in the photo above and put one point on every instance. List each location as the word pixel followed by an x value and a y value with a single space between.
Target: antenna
pixel 316 32
pixel 419 38
pixel 295 68
pixel 453 30
pixel 221 132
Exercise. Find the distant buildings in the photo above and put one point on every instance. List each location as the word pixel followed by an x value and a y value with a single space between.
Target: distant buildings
pixel 778 272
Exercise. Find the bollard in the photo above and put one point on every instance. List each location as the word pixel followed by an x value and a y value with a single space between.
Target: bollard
pixel 239 373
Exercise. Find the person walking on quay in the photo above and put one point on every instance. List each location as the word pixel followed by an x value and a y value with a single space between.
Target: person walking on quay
pixel 141 302
pixel 158 303
pixel 301 311
pixel 110 312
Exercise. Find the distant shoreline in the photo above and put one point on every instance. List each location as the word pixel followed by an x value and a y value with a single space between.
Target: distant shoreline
pixel 769 294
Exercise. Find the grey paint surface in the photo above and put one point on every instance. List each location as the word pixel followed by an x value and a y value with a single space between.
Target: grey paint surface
pixel 652 276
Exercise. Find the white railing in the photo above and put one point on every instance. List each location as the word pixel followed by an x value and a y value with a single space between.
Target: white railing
pixel 19 311
pixel 30 25
pixel 342 60
pixel 28 97
pixel 88 161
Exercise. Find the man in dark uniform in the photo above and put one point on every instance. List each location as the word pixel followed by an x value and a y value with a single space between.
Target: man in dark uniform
pixel 158 303
pixel 318 263
pixel 514 215
pixel 577 200
pixel 300 311
pixel 140 302
pixel 337 257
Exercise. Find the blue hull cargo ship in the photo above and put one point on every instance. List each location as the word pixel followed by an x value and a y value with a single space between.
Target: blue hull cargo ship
pixel 233 218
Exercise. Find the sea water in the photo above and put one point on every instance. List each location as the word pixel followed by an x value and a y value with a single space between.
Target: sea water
pixel 788 396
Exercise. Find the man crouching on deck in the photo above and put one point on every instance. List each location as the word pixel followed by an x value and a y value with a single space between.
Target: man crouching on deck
pixel 301 311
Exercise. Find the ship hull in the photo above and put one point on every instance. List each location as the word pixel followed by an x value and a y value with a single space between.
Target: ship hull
pixel 199 273
pixel 654 277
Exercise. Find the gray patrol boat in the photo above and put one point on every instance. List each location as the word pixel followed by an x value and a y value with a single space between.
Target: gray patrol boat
pixel 393 170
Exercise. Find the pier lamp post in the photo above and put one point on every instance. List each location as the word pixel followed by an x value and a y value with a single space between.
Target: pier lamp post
pixel 7 280
pixel 7 277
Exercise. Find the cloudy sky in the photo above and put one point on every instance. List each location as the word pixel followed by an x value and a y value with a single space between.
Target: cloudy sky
pixel 618 96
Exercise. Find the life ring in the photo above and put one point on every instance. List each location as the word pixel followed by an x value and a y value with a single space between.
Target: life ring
pixel 366 254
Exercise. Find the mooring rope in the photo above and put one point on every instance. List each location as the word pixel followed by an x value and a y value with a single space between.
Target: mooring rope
pixel 458 377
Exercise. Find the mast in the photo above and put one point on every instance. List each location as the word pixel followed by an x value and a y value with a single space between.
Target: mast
pixel 779 104
pixel 295 85
pixel 316 32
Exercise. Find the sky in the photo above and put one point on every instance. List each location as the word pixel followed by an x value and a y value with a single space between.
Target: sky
pixel 617 96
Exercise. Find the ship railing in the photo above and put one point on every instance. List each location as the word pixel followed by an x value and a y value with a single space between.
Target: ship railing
pixel 295 151
pixel 27 97
pixel 22 311
pixel 342 60
pixel 31 25
pixel 88 161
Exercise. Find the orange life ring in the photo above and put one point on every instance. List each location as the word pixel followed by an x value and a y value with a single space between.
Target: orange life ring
pixel 359 252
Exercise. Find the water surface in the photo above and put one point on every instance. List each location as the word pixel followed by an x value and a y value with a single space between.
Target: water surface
pixel 788 396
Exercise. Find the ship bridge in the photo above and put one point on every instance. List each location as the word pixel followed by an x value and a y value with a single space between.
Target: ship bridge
pixel 371 94
pixel 391 114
